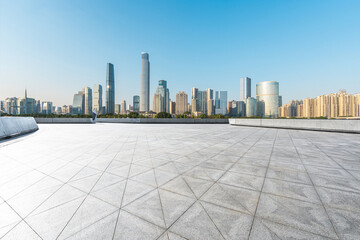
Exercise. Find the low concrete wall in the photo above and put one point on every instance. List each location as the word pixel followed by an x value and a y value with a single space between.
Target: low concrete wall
pixel 64 120
pixel 163 120
pixel 14 126
pixel 330 125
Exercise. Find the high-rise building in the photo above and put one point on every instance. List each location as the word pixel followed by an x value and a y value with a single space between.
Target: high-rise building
pixel 87 100
pixel 250 107
pixel 123 107
pixel 110 89
pixel 47 107
pixel 172 107
pixel 200 100
pixel 97 98
pixel 245 88
pixel 157 102
pixel 145 83
pixel 163 91
pixel 267 96
pixel 236 108
pixel 117 108
pixel 136 103
pixel 181 103
pixel 220 102
pixel 78 103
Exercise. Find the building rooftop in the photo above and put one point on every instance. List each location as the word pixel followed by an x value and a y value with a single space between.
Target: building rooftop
pixel 132 181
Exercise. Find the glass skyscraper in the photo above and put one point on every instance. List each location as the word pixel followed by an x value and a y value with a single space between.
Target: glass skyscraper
pixel 110 89
pixel 145 83
pixel 97 98
pixel 245 88
pixel 78 103
pixel 267 96
pixel 221 102
pixel 136 103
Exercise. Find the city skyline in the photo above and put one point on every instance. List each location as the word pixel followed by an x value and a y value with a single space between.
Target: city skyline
pixel 295 53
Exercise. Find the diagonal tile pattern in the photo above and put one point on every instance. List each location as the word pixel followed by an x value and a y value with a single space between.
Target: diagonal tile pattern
pixel 127 181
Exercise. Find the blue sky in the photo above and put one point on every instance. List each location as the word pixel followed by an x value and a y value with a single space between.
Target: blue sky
pixel 54 48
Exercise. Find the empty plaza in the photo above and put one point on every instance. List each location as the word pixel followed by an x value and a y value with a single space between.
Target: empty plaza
pixel 169 181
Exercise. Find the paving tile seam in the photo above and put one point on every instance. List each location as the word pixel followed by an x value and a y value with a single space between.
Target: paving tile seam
pixel 215 182
pixel 327 214
pixel 333 160
pixel 90 189
pixel 262 187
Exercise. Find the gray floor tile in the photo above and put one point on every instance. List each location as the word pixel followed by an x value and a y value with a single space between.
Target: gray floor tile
pixel 298 214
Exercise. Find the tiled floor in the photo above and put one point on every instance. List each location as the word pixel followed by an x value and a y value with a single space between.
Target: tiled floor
pixel 130 181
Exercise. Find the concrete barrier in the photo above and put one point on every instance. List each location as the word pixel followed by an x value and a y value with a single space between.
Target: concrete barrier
pixel 163 120
pixel 14 126
pixel 64 120
pixel 329 125
pixel 133 120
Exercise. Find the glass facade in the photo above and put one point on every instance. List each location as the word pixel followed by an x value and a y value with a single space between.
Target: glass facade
pixel 267 96
pixel 145 83
pixel 110 89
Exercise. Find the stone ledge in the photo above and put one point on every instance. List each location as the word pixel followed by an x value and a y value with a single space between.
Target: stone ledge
pixel 15 126
pixel 327 125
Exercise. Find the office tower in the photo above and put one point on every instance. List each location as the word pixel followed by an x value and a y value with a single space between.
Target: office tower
pixel 110 89
pixel 210 107
pixel 38 106
pixel 117 108
pixel 145 83
pixel 66 109
pixel 220 102
pixel 97 98
pixel 136 103
pixel 245 88
pixel 87 100
pixel 123 107
pixel 267 96
pixel 157 102
pixel 78 103
pixel 236 108
pixel 181 103
pixel 280 101
pixel 163 91
pixel 250 107
pixel 47 107
pixel 172 107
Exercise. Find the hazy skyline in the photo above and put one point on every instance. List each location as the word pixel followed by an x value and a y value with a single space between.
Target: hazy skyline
pixel 55 48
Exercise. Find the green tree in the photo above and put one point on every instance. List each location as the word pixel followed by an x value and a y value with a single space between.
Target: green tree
pixel 133 115
pixel 163 115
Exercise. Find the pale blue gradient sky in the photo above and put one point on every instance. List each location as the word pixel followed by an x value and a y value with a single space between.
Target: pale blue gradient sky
pixel 56 47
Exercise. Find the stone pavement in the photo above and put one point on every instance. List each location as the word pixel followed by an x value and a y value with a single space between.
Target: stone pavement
pixel 131 181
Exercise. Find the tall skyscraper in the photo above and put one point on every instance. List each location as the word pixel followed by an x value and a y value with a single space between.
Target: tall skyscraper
pixel 181 103
pixel 172 107
pixel 163 91
pixel 123 107
pixel 78 103
pixel 136 103
pixel 245 88
pixel 267 96
pixel 110 89
pixel 221 102
pixel 157 103
pixel 97 98
pixel 87 100
pixel 145 83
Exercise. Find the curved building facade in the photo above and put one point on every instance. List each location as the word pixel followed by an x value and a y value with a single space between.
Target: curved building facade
pixel 250 107
pixel 267 96
pixel 145 83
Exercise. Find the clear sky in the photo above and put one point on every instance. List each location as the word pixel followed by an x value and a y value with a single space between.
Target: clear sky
pixel 56 47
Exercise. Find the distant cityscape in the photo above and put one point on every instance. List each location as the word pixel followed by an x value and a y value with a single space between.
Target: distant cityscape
pixel 268 102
